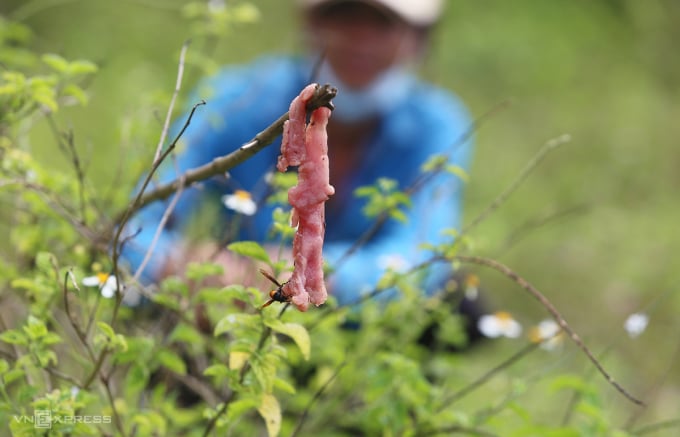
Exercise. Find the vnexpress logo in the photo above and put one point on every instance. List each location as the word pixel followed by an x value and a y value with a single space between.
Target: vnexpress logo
pixel 44 419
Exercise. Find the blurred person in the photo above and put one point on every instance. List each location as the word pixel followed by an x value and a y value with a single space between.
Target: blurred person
pixel 386 124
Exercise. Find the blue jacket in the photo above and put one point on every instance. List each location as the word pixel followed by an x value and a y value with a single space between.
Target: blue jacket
pixel 243 100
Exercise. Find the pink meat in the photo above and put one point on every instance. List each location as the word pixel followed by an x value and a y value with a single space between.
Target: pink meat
pixel 307 147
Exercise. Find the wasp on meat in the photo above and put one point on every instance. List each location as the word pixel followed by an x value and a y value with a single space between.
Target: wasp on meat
pixel 276 295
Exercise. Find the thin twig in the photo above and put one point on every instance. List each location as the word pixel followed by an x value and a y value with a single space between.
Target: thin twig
pixel 157 234
pixel 66 143
pixel 533 291
pixel 134 206
pixel 168 115
pixel 82 336
pixel 658 426
pixel 315 398
pixel 112 403
pixel 487 376
pixel 530 166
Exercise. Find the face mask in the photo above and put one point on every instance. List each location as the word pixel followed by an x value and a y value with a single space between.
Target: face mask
pixel 386 91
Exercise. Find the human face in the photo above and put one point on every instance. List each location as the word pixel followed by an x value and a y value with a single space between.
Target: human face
pixel 360 41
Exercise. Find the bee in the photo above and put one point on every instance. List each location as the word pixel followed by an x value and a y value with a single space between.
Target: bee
pixel 276 295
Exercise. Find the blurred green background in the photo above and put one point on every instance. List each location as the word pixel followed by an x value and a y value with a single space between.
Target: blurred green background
pixel 595 227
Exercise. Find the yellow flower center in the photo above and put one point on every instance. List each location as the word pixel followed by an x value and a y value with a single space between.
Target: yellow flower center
pixel 535 335
pixel 102 277
pixel 472 281
pixel 503 316
pixel 242 195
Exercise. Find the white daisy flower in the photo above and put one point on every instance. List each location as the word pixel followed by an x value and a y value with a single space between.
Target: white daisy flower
pixel 107 284
pixel 241 201
pixel 499 324
pixel 636 324
pixel 547 333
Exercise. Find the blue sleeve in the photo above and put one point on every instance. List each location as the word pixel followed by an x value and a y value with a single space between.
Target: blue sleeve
pixel 439 125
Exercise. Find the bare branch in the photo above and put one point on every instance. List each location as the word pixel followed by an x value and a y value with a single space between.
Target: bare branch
pixel 168 116
pixel 157 234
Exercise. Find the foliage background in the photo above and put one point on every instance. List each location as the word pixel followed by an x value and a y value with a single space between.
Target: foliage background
pixel 604 72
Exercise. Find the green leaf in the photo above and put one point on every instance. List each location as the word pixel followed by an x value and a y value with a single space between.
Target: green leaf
pixel 186 334
pixel 433 163
pixel 166 300
pixel 219 370
pixel 270 410
pixel 240 407
pixel 200 271
pixel 107 330
pixel 35 328
pixel 13 375
pixel 458 171
pixel 250 249
pixel 232 322
pixel 46 262
pixel 56 62
pixel 222 295
pixel 12 336
pixel 51 338
pixel 284 385
pixel 4 366
pixel 171 361
pixel 76 92
pixel 295 331
pixel 82 67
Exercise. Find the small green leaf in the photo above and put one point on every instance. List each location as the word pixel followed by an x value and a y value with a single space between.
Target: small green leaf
pixel 200 271
pixel 250 249
pixel 81 67
pixel 76 92
pixel 171 361
pixel 51 338
pixel 46 262
pixel 186 334
pixel 270 410
pixel 13 375
pixel 297 332
pixel 56 62
pixel 284 385
pixel 35 328
pixel 217 370
pixel 434 162
pixel 232 322
pixel 12 336
pixel 240 407
pixel 107 330
pixel 458 171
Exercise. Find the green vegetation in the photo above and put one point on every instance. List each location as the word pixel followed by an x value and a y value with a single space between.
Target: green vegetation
pixel 84 88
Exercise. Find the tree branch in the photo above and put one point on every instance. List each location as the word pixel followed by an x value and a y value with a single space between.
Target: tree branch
pixel 322 97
